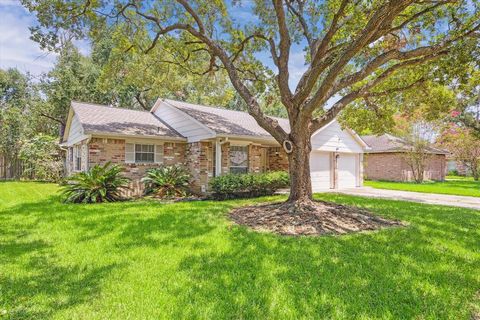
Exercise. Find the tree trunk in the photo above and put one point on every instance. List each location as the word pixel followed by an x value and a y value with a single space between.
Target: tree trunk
pixel 300 198
pixel 475 171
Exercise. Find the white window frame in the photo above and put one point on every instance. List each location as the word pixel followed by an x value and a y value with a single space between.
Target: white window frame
pixel 141 146
pixel 246 147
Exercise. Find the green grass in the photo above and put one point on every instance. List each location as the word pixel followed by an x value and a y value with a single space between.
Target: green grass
pixel 145 260
pixel 464 178
pixel 454 187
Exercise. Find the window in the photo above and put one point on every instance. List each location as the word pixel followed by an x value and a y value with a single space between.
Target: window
pixel 144 153
pixel 78 158
pixel 238 159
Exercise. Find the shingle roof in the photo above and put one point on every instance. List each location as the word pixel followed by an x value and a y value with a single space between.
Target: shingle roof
pixel 389 143
pixel 103 119
pixel 224 121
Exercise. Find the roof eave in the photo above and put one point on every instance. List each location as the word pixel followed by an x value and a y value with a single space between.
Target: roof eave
pixel 123 135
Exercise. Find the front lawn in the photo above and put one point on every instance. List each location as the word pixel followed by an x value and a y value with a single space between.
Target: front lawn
pixel 464 187
pixel 145 260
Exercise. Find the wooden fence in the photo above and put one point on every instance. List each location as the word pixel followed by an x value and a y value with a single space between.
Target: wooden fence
pixel 14 169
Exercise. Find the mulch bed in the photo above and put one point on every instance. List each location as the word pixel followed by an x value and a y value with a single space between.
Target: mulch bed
pixel 326 218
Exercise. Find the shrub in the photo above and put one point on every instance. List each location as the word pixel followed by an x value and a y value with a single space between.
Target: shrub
pixel 99 184
pixel 453 172
pixel 42 158
pixel 167 181
pixel 232 186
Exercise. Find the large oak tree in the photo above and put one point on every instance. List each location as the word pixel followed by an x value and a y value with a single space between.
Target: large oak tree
pixel 354 50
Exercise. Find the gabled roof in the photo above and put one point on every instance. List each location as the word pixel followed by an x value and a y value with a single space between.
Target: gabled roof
pixel 224 121
pixel 102 119
pixel 389 143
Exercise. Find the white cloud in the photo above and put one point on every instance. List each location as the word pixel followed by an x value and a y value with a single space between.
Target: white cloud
pixel 16 48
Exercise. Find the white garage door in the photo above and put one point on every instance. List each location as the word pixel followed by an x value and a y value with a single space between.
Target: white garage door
pixel 320 170
pixel 347 170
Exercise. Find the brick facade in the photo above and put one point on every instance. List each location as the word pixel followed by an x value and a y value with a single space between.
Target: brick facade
pixel 393 167
pixel 102 150
pixel 257 158
pixel 199 157
pixel 277 159
pixel 200 162
pixel 225 147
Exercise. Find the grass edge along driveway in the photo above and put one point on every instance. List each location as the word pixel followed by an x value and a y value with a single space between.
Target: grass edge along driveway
pixel 453 187
pixel 145 260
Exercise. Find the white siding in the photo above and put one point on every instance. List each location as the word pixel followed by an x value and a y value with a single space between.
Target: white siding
pixel 320 171
pixel 332 138
pixel 347 170
pixel 75 133
pixel 183 123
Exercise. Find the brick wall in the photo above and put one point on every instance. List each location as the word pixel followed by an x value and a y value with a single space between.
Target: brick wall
pixel 277 159
pixel 102 150
pixel 225 158
pixel 199 161
pixel 256 158
pixel 393 167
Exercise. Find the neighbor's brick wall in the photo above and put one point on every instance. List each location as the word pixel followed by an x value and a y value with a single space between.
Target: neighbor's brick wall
pixel 101 150
pixel 436 167
pixel 277 159
pixel 393 167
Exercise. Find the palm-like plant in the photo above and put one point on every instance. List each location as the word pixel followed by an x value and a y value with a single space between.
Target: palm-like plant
pixel 99 184
pixel 167 181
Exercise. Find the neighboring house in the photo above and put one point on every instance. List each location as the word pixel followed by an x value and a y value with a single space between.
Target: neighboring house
pixel 386 160
pixel 454 165
pixel 208 141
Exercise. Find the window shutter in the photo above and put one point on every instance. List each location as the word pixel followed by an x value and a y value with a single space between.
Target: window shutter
pixel 129 153
pixel 159 153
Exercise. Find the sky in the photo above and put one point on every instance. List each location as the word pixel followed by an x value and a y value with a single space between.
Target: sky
pixel 16 48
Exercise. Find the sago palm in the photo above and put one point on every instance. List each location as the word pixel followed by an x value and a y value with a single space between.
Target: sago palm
pixel 99 184
pixel 167 181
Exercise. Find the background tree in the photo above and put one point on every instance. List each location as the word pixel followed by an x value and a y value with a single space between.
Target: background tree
pixel 353 50
pixel 16 96
pixel 42 158
pixel 464 145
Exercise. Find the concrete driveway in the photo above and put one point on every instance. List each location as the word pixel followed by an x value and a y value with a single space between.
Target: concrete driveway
pixel 429 198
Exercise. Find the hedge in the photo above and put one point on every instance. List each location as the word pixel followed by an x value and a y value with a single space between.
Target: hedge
pixel 248 185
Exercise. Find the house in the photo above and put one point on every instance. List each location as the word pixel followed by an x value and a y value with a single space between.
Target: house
pixel 386 160
pixel 456 167
pixel 208 141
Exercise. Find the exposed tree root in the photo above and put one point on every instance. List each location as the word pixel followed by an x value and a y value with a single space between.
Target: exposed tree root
pixel 312 218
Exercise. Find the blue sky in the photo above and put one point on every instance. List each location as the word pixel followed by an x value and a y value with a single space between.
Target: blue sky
pixel 16 48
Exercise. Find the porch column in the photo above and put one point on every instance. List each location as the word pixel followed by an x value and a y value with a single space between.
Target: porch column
pixel 218 158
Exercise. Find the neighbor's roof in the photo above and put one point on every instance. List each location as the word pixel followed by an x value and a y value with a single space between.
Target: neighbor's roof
pixel 389 143
pixel 224 121
pixel 110 120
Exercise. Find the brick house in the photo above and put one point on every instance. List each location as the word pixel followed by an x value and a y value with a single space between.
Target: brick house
pixel 208 141
pixel 386 160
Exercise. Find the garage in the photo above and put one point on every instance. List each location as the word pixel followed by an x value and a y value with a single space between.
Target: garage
pixel 336 158
pixel 320 170
pixel 346 170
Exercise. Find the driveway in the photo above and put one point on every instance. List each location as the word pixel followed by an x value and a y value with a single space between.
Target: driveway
pixel 429 198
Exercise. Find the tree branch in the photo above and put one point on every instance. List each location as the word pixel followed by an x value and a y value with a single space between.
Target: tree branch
pixel 284 56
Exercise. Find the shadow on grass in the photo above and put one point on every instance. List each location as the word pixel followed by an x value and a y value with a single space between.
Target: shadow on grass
pixel 427 270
